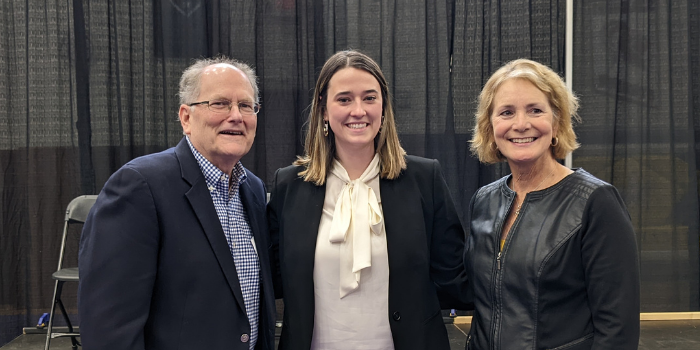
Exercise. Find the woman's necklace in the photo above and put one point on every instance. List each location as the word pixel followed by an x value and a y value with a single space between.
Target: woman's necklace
pixel 517 211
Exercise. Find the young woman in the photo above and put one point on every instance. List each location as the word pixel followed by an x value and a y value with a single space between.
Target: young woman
pixel 366 240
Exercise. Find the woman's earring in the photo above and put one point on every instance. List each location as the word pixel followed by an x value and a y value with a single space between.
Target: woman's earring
pixel 555 141
pixel 381 125
pixel 325 128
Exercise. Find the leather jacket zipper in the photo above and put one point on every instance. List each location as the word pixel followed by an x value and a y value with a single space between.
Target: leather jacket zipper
pixel 497 286
pixel 497 302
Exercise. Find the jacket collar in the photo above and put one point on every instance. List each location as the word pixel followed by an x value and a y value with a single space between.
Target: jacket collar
pixel 203 206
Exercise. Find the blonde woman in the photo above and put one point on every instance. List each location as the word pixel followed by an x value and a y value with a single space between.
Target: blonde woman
pixel 551 252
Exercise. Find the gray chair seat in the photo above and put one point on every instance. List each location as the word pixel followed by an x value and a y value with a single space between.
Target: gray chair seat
pixel 68 274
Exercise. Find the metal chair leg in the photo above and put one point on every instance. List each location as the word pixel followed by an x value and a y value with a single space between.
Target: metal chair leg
pixel 49 329
pixel 73 340
pixel 58 289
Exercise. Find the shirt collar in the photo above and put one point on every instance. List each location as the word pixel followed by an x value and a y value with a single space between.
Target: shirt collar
pixel 213 174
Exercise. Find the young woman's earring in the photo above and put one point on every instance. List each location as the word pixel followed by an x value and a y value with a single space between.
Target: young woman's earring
pixel 325 128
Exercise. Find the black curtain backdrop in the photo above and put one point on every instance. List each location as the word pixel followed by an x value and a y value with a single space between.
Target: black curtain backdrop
pixel 87 86
pixel 636 71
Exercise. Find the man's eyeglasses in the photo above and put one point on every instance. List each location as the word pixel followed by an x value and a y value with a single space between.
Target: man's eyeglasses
pixel 224 106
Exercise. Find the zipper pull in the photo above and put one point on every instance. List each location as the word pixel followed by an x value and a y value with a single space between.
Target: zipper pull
pixel 498 261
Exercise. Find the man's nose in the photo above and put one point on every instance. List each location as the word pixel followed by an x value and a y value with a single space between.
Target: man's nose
pixel 235 113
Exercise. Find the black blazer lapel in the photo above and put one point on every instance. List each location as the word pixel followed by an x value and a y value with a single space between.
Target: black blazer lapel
pixel 299 220
pixel 202 205
pixel 404 222
pixel 392 202
pixel 254 205
pixel 303 226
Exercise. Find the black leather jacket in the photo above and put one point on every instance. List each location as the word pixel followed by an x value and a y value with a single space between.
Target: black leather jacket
pixel 568 274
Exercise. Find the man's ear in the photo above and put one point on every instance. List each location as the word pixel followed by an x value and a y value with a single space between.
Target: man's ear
pixel 184 115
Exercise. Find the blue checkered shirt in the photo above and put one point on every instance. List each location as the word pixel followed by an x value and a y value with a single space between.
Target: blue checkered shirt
pixel 234 221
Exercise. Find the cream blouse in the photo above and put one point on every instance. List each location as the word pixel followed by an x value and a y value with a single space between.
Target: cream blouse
pixel 351 266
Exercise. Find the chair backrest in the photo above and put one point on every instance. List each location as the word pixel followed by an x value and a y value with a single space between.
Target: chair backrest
pixel 78 209
pixel 76 212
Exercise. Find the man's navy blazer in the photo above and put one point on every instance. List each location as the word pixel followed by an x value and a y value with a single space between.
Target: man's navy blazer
pixel 156 271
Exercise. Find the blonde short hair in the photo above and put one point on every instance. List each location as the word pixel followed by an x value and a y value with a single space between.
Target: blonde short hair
pixel 319 150
pixel 563 102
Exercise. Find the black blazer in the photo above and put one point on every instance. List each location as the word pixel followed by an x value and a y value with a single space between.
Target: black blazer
pixel 156 271
pixel 425 242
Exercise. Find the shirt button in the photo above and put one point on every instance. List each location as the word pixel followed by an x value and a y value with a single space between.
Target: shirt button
pixel 244 338
pixel 223 177
pixel 396 316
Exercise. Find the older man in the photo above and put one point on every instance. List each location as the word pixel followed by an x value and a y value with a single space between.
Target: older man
pixel 174 253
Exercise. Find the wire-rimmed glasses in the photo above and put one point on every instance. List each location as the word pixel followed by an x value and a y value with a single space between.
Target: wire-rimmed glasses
pixel 224 106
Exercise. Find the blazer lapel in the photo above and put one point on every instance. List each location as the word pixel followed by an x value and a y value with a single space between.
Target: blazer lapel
pixel 301 225
pixel 403 219
pixel 391 200
pixel 311 201
pixel 203 207
pixel 253 207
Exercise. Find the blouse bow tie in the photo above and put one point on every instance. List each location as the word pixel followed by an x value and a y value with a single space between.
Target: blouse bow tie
pixel 357 214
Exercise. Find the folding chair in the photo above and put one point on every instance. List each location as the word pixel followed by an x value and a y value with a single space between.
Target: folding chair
pixel 76 212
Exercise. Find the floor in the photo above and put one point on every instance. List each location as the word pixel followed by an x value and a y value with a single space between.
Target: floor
pixel 678 335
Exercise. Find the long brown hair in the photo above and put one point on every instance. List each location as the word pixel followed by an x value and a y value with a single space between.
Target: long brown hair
pixel 319 150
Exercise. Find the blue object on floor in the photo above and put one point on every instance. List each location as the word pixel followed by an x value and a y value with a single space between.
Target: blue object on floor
pixel 43 320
